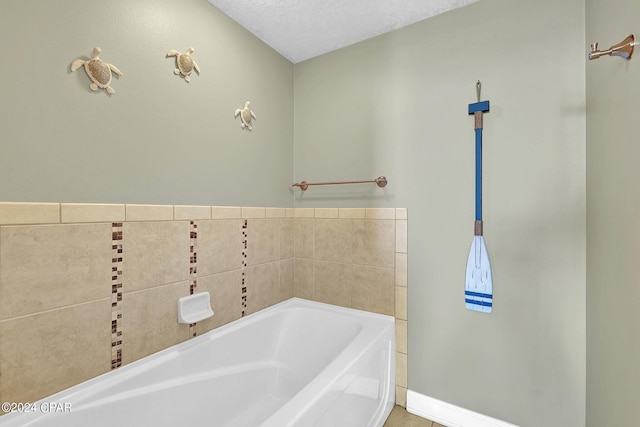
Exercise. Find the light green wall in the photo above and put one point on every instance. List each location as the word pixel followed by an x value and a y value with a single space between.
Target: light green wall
pixel 396 105
pixel 613 219
pixel 157 139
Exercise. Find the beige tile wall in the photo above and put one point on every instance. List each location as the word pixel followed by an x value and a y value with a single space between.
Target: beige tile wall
pixel 155 254
pixel 356 258
pixel 63 287
pixel 43 353
pixel 224 286
pixel 150 320
pixel 43 267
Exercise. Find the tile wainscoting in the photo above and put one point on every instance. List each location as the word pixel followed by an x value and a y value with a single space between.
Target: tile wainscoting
pixel 356 258
pixel 86 288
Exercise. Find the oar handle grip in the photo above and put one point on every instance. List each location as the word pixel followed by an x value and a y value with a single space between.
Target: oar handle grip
pixel 478 119
pixel 477 228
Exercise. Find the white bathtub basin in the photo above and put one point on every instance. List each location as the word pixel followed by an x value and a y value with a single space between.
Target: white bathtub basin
pixel 298 363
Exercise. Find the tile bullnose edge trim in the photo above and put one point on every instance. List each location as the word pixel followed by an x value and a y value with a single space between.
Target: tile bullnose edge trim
pixel 91 212
pixel 304 212
pixel 351 213
pixel 226 212
pixel 380 213
pixel 252 212
pixel 137 212
pixel 275 213
pixel 191 212
pixel 448 414
pixel 18 213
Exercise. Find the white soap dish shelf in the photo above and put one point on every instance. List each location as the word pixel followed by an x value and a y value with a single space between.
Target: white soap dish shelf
pixel 194 308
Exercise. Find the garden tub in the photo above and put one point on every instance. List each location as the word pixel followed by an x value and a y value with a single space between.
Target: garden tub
pixel 297 363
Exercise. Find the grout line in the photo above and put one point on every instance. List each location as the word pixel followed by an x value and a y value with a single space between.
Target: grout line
pixel 62 307
pixel 150 288
pixel 218 273
pixel 268 262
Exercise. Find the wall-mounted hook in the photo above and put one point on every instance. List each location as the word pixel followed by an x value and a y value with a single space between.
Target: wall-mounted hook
pixel 624 49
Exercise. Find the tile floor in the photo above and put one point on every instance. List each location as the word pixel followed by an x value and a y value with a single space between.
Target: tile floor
pixel 401 418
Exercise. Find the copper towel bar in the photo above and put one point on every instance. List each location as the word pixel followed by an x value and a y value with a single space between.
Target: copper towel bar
pixel 381 181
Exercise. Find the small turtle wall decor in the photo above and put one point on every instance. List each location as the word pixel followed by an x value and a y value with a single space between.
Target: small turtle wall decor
pixel 185 63
pixel 245 116
pixel 98 71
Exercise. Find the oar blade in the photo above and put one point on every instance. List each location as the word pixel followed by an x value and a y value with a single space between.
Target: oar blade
pixel 478 292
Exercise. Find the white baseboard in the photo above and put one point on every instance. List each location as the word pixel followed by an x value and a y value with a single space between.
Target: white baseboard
pixel 447 414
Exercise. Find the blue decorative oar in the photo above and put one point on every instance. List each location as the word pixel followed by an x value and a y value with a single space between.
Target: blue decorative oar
pixel 478 290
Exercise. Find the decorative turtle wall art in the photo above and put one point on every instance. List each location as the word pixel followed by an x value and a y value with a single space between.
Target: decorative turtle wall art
pixel 98 71
pixel 245 116
pixel 185 63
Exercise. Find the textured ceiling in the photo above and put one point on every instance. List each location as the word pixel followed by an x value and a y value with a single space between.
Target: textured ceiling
pixel 302 29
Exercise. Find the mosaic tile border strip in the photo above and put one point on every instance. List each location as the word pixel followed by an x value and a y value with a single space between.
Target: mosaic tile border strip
pixel 193 266
pixel 116 294
pixel 245 226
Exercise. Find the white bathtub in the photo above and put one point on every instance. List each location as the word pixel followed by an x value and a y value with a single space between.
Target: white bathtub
pixel 298 363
